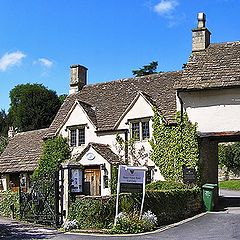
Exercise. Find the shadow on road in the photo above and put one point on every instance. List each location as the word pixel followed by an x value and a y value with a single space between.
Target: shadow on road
pixel 16 230
pixel 226 202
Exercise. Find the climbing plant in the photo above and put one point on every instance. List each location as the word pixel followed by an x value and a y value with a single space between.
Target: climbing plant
pixel 55 151
pixel 174 146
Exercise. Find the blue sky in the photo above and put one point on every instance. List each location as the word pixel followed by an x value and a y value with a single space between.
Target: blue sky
pixel 40 39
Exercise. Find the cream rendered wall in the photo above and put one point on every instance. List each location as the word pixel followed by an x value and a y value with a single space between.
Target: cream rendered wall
pixel 97 161
pixel 78 117
pixel 213 110
pixel 142 109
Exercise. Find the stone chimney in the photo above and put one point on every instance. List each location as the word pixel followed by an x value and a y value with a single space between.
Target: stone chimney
pixel 78 78
pixel 11 132
pixel 200 35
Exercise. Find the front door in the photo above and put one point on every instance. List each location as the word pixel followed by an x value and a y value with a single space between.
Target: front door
pixel 92 182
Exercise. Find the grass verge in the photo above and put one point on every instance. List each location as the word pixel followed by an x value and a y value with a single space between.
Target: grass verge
pixel 230 184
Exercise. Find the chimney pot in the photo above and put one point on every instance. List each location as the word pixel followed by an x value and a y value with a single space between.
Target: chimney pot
pixel 201 20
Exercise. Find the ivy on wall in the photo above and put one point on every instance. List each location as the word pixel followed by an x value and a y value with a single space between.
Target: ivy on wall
pixel 174 146
pixel 55 151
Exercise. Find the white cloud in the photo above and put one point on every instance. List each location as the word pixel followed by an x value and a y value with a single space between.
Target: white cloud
pixel 165 7
pixel 11 59
pixel 45 62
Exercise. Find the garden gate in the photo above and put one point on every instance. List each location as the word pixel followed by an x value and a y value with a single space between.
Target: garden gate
pixel 43 202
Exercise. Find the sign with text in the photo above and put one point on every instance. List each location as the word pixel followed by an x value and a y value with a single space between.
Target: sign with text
pixel 132 175
pixel 189 175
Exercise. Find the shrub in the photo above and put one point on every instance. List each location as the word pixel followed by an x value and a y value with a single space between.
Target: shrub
pixel 165 185
pixel 131 223
pixel 7 199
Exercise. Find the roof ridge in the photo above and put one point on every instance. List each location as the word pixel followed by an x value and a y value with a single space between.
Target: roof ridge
pixel 130 78
pixel 31 131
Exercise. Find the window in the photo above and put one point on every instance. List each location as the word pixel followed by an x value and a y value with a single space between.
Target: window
pixel 73 137
pixel 145 130
pixel 136 130
pixel 77 136
pixel 140 129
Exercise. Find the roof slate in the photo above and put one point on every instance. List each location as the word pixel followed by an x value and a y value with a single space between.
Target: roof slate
pixel 103 149
pixel 22 152
pixel 109 100
pixel 218 66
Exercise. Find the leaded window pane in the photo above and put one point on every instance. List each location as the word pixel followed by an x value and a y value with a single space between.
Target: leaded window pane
pixel 73 137
pixel 136 130
pixel 81 136
pixel 145 130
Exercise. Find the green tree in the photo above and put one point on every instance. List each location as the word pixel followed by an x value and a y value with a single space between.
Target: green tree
pixel 3 143
pixel 174 146
pixel 62 97
pixel 55 151
pixel 146 70
pixel 229 156
pixel 4 125
pixel 32 106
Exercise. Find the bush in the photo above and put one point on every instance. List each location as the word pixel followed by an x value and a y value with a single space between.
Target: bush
pixel 131 223
pixel 7 199
pixel 165 185
pixel 168 206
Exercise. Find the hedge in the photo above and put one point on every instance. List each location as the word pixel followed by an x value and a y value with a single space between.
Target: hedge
pixel 169 206
pixel 7 199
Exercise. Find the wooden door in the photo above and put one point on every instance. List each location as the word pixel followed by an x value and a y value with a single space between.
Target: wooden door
pixel 92 182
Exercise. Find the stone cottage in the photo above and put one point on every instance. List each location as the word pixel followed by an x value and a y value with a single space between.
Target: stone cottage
pixel 92 116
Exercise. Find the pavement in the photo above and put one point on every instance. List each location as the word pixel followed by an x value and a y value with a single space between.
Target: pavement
pixel 220 225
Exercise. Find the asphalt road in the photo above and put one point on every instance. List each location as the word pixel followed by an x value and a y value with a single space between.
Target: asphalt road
pixel 220 225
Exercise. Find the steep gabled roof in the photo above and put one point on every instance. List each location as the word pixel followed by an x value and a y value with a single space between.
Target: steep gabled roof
pixel 102 149
pixel 22 152
pixel 109 100
pixel 216 67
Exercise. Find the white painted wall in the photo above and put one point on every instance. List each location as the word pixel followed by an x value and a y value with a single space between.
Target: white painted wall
pixel 213 110
pixel 98 160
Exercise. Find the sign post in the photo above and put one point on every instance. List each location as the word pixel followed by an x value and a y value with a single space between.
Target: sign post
pixel 130 179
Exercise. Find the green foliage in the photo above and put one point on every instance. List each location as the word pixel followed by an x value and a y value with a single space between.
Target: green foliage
pixel 55 151
pixel 146 70
pixel 62 98
pixel 165 185
pixel 92 213
pixel 230 184
pixel 174 146
pixel 32 106
pixel 3 143
pixel 8 198
pixel 114 179
pixel 4 123
pixel 131 223
pixel 229 155
pixel 173 205
pixel 168 206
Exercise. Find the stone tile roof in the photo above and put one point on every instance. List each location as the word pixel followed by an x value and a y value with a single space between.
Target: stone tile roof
pixel 216 67
pixel 22 152
pixel 103 149
pixel 108 101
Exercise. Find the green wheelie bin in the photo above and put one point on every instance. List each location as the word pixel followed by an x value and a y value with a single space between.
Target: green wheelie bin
pixel 209 192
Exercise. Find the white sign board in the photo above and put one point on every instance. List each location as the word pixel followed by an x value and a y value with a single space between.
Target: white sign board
pixel 131 174
pixel 77 180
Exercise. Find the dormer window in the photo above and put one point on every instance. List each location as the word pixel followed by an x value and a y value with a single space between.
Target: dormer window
pixel 140 129
pixel 77 135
